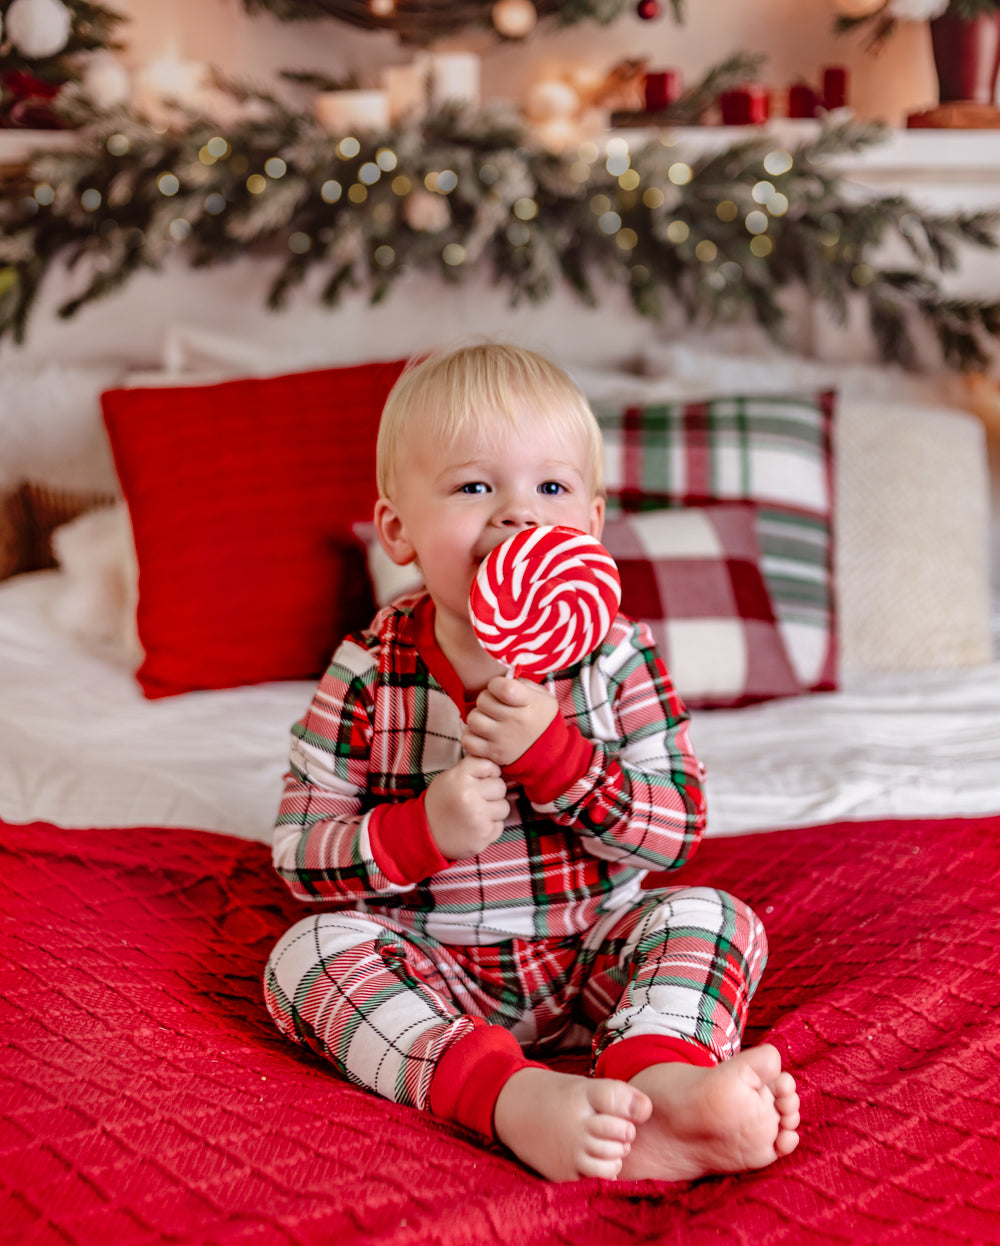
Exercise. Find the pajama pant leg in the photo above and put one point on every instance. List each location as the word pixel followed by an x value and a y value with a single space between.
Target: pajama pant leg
pixel 682 965
pixel 390 1009
pixel 358 992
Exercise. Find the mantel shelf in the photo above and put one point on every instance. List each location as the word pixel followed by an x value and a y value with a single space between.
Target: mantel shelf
pixel 918 151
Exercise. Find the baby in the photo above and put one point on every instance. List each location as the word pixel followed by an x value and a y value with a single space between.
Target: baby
pixel 480 843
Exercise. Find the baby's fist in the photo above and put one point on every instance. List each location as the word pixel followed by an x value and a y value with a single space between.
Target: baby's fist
pixel 465 807
pixel 510 715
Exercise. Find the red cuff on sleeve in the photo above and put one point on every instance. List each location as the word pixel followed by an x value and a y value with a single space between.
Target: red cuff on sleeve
pixel 555 761
pixel 402 845
pixel 472 1072
pixel 628 1056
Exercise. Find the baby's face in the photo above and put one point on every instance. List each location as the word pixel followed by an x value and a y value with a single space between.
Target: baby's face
pixel 457 501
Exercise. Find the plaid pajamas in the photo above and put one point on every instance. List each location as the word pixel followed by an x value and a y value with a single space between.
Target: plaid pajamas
pixel 547 933
pixel 384 1004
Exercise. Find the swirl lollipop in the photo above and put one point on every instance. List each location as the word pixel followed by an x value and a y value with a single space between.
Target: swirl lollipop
pixel 544 599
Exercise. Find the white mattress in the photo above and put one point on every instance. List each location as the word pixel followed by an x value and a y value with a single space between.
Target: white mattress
pixel 80 747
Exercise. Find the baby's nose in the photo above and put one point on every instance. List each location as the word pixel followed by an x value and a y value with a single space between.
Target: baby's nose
pixel 517 514
pixel 517 508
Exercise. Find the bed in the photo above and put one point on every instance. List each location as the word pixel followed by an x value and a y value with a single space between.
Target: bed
pixel 146 1096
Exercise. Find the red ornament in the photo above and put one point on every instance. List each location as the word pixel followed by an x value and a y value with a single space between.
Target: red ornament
pixel 648 9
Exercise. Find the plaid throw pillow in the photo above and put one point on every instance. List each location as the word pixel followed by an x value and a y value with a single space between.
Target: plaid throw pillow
pixel 774 453
pixel 693 576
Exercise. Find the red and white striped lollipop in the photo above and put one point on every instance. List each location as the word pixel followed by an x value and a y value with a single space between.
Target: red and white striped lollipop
pixel 544 599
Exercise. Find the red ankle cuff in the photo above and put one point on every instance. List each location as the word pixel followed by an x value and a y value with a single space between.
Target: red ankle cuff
pixel 472 1072
pixel 628 1056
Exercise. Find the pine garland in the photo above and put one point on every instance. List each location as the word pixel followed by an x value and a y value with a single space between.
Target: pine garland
pixel 423 21
pixel 723 236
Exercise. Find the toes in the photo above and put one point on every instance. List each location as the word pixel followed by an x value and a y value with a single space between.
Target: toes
pixel 611 1128
pixel 619 1099
pixel 784 1085
pixel 606 1148
pixel 607 1169
pixel 765 1062
pixel 786 1142
pixel 790 1118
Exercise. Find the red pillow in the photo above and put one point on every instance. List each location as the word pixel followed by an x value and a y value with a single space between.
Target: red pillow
pixel 242 496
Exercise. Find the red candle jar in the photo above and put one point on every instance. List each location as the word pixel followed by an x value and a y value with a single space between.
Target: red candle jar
pixel 802 100
pixel 834 87
pixel 662 88
pixel 745 105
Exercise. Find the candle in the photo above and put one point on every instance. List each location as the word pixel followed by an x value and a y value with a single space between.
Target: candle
pixel 745 105
pixel 802 100
pixel 106 80
pixel 345 112
pixel 168 81
pixel 406 89
pixel 834 87
pixel 454 77
pixel 662 88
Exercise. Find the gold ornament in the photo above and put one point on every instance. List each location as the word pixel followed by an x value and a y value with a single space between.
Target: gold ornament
pixel 514 19
pixel 858 8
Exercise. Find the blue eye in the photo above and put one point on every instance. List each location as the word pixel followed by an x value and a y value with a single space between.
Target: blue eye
pixel 551 488
pixel 474 487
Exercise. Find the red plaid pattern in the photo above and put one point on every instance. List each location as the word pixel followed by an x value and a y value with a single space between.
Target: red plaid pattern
pixel 380 727
pixel 385 1004
pixel 693 577
pixel 774 452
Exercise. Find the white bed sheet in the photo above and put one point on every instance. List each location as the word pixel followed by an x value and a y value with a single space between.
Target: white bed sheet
pixel 81 747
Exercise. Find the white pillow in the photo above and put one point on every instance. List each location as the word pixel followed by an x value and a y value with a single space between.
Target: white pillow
pixel 98 591
pixel 694 370
pixel 389 581
pixel 913 537
pixel 51 430
pixel 195 349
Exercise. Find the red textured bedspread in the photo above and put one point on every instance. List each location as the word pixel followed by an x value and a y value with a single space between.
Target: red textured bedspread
pixel 144 1095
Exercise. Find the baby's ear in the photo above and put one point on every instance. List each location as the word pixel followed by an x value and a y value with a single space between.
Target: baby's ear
pixel 392 533
pixel 597 509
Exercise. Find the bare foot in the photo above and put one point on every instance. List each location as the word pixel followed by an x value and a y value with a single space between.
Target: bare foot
pixel 738 1115
pixel 567 1127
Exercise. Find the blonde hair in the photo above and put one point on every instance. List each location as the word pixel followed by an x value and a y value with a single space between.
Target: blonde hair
pixel 444 394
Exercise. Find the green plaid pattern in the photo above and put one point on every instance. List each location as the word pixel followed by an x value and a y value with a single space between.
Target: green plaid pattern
pixel 773 452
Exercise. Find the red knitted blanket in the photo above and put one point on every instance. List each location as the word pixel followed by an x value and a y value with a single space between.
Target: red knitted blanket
pixel 144 1095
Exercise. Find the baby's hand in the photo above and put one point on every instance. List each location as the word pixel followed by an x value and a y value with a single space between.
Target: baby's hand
pixel 509 717
pixel 465 807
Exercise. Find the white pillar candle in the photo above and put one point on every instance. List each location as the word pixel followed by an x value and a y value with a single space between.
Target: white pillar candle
pixel 406 89
pixel 455 78
pixel 345 112
pixel 168 81
pixel 106 80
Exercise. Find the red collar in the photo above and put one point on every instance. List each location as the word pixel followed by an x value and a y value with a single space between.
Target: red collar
pixel 430 651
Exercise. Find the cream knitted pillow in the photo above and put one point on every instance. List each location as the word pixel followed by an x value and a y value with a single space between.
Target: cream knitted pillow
pixel 912 539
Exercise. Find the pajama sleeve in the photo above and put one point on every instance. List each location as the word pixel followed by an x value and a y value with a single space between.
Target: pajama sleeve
pixel 617 767
pixel 330 840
